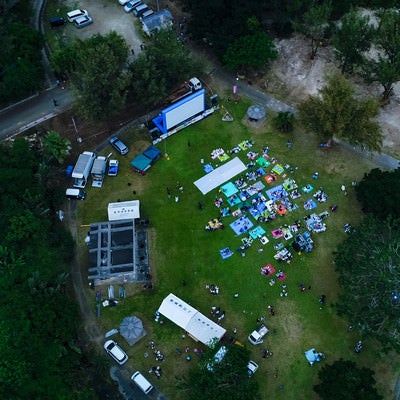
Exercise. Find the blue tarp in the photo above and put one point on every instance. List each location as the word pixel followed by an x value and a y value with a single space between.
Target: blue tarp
pixel 153 153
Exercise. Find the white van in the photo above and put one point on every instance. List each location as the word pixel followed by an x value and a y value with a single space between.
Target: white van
pixel 141 382
pixel 73 15
pixel 77 194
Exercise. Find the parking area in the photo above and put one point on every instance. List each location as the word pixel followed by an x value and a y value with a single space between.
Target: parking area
pixel 109 16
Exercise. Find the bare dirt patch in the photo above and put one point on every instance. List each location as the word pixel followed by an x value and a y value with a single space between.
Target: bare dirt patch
pixel 295 76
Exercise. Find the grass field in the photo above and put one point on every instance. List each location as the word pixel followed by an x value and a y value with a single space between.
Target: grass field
pixel 181 250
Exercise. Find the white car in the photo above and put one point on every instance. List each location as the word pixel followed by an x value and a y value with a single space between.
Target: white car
pixel 115 352
pixel 73 15
pixel 252 367
pixel 123 2
pixel 131 5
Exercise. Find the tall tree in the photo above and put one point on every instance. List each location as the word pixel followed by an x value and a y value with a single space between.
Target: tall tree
pixel 98 67
pixel 386 183
pixel 369 275
pixel 162 65
pixel 344 380
pixel 336 112
pixel 385 69
pixel 314 24
pixel 255 49
pixel 56 147
pixel 351 39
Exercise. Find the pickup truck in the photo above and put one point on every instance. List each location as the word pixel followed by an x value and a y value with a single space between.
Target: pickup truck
pixel 256 337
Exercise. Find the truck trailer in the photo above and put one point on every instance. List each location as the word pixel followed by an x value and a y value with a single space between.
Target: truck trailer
pixel 81 171
pixel 99 171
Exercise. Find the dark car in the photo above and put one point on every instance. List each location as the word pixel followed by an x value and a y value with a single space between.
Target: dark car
pixel 57 21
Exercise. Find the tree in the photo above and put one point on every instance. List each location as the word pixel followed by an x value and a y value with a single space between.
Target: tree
pixel 284 122
pixel 337 112
pixel 253 50
pixel 163 64
pixel 351 39
pixel 21 70
pixel 56 147
pixel 386 68
pixel 98 67
pixel 367 263
pixel 386 183
pixel 218 23
pixel 314 24
pixel 228 379
pixel 344 380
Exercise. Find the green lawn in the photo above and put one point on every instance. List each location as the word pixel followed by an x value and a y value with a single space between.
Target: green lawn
pixel 181 249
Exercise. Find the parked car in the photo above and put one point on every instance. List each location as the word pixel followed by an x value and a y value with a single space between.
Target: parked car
pixel 123 2
pixel 141 382
pixel 131 5
pixel 57 21
pixel 118 145
pixel 252 367
pixel 115 352
pixel 75 14
pixel 139 10
pixel 146 14
pixel 81 22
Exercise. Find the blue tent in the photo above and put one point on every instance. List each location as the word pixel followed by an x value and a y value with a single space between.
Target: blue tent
pixel 312 356
pixel 141 163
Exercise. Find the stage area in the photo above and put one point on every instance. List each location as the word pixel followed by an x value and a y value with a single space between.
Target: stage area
pixel 220 175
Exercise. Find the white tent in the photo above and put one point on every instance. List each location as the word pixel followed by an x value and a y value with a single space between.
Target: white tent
pixel 123 210
pixel 197 325
pixel 220 175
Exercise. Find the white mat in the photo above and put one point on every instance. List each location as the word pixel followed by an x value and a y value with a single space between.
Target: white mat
pixel 220 175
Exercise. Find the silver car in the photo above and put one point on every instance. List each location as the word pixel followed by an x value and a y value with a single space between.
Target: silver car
pixel 81 22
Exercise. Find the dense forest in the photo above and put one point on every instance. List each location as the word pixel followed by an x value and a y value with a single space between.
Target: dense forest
pixel 41 350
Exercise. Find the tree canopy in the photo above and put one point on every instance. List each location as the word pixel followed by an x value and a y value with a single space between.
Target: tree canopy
pixel 38 318
pixel 163 64
pixel 96 66
pixel 227 379
pixel 351 39
pixel 337 112
pixel 386 183
pixel 344 380
pixel 368 263
pixel 255 49
pixel 385 68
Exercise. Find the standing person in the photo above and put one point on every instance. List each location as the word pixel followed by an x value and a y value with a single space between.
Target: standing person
pixel 343 189
pixel 168 193
pixel 288 144
pixel 55 102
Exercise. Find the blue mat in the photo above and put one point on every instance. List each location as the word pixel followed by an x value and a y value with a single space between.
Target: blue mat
pixel 276 193
pixel 257 232
pixel 241 225
pixel 208 168
pixel 229 189
pixel 309 204
pixel 225 253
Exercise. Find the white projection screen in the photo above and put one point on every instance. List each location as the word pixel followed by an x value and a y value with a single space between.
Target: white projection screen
pixel 184 109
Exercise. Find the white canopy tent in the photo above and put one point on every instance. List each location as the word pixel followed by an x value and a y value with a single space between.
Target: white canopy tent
pixel 123 210
pixel 220 175
pixel 198 326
